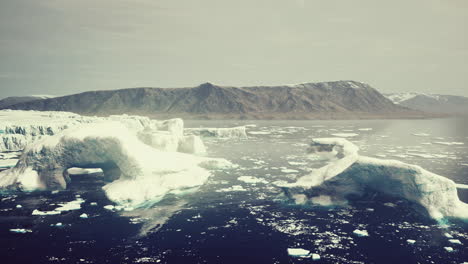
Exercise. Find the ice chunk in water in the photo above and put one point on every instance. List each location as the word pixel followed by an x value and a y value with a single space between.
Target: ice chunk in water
pixel 420 134
pixel 20 230
pixel 455 241
pixel 250 179
pixel 449 249
pixel 447 235
pixel 298 252
pixel 361 233
pixel 345 135
pixel 84 215
pixel 315 256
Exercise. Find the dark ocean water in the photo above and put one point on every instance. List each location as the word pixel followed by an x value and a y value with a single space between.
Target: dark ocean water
pixel 253 223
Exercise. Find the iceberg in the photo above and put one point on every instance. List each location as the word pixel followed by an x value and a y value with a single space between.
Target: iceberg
pixel 350 175
pixel 137 173
pixel 21 128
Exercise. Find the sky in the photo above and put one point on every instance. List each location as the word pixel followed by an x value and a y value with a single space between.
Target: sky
pixel 60 47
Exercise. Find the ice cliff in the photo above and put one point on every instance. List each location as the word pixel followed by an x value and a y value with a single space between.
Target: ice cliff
pixel 350 175
pixel 19 128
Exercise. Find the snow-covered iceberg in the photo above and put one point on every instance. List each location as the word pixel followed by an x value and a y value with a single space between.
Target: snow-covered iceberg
pixel 229 132
pixel 20 128
pixel 350 175
pixel 139 171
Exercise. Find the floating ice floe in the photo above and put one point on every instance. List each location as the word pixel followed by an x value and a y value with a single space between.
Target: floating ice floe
pixel 302 253
pixel 230 132
pixel 449 143
pixel 117 208
pixel 83 215
pixel 455 241
pixel 315 256
pixel 365 129
pixel 420 134
pixel 286 170
pixel 298 252
pixel 20 230
pixel 69 206
pixel 250 179
pixel 448 249
pixel 296 163
pixel 353 175
pixel 345 135
pixel 447 235
pixel 361 233
pixel 259 132
pixel 234 188
pixel 411 241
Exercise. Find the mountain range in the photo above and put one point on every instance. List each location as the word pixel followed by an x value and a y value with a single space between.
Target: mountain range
pixel 324 100
pixel 9 101
pixel 431 103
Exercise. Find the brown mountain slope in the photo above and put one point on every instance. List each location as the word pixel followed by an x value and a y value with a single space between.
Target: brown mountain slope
pixel 327 100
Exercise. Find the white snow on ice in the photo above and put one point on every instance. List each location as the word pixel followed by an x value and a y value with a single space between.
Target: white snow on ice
pixel 147 153
pixel 350 172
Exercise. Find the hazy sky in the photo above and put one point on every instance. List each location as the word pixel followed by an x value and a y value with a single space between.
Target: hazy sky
pixel 61 47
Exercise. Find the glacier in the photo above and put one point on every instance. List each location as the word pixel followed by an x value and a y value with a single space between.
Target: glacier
pixel 142 159
pixel 349 174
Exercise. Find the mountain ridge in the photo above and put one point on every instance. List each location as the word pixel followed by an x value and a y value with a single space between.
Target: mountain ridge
pixel 12 100
pixel 436 103
pixel 324 100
